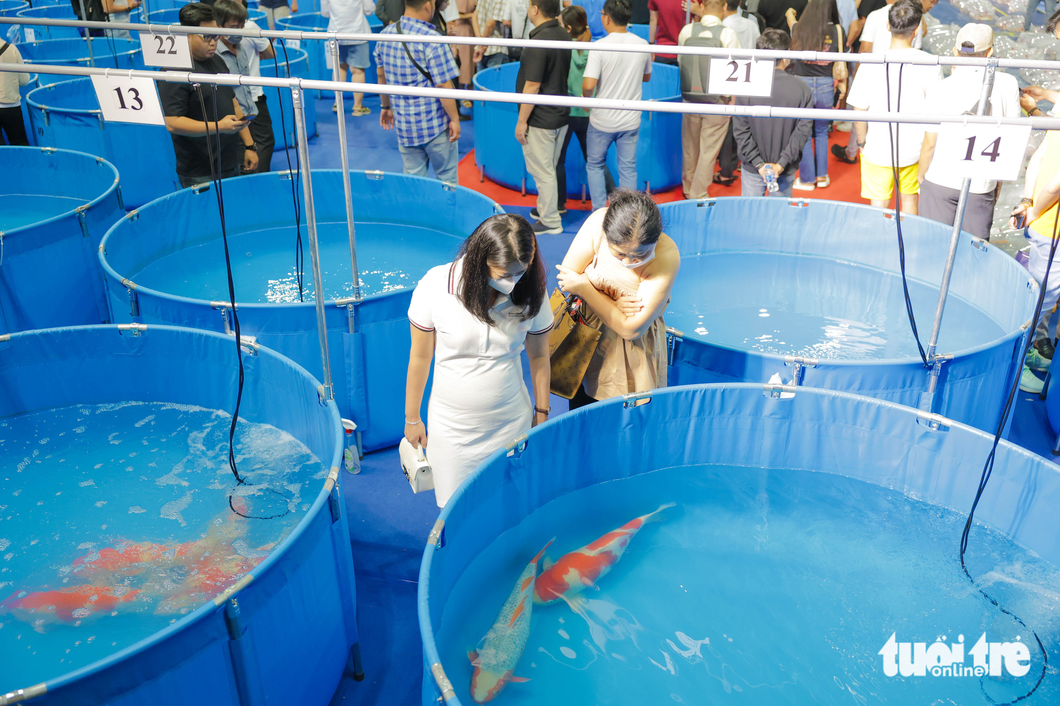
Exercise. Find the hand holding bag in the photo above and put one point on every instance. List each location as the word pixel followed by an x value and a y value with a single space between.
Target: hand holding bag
pixel 571 345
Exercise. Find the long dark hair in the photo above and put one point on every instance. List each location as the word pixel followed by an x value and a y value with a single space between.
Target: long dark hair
pixel 632 217
pixel 810 31
pixel 500 241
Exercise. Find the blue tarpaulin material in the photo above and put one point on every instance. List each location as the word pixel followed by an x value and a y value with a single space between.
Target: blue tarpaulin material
pixel 278 68
pixel 10 8
pixel 49 274
pixel 33 33
pixel 318 62
pixel 501 158
pixel 971 385
pixel 816 430
pixel 23 93
pixel 105 52
pixel 67 115
pixel 299 610
pixel 368 365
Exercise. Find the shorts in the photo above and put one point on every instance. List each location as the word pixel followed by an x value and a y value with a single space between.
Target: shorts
pixel 354 55
pixel 878 182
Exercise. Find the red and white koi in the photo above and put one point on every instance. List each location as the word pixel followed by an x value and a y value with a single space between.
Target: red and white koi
pixel 502 647
pixel 583 567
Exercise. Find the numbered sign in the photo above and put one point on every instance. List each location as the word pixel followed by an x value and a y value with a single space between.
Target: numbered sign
pixel 128 100
pixel 31 35
pixel 292 45
pixel 167 51
pixel 740 77
pixel 992 152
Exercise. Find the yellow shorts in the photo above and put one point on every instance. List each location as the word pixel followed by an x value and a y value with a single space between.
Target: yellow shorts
pixel 878 182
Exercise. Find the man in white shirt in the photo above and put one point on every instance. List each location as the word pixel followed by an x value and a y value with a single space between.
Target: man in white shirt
pixel 876 39
pixel 956 95
pixel 888 88
pixel 616 76
pixel 702 136
pixel 746 28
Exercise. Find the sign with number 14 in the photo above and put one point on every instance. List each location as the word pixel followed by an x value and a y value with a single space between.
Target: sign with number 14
pixel 128 100
pixel 991 152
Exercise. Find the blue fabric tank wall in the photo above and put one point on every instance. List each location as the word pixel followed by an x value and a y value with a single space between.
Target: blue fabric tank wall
pixel 34 33
pixel 48 274
pixel 10 8
pixel 312 21
pixel 640 30
pixel 983 276
pixel 500 157
pixel 368 365
pixel 23 92
pixel 106 53
pixel 300 68
pixel 67 115
pixel 299 611
pixel 824 431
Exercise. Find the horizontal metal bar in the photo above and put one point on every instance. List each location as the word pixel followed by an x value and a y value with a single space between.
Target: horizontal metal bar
pixel 758 111
pixel 32 692
pixel 762 54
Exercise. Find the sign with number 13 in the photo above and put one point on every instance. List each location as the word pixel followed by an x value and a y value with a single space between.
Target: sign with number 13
pixel 128 100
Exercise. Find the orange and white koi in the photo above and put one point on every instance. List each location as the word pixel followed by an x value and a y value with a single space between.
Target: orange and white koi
pixel 499 651
pixel 584 567
pixel 66 604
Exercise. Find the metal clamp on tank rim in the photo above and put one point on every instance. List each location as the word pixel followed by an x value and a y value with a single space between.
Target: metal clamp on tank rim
pixel 799 203
pixel 780 392
pixel 437 535
pixel 13 697
pixel 232 590
pixel 799 364
pixel 672 337
pixel 136 329
pixel 444 685
pixel 517 445
pixel 374 174
pixel 980 244
pixel 934 422
pixel 636 399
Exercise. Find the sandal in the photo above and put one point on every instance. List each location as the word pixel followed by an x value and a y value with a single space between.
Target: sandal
pixel 723 181
pixel 358 112
pixel 467 104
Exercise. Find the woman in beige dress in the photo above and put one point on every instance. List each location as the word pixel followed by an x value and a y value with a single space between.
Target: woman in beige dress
pixel 623 267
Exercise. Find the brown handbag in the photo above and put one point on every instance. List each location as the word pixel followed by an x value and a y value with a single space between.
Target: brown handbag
pixel 571 345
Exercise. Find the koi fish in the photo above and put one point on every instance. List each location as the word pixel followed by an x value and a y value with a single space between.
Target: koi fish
pixel 67 604
pixel 503 645
pixel 583 567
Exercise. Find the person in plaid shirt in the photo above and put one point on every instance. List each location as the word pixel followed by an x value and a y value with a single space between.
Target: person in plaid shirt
pixel 427 128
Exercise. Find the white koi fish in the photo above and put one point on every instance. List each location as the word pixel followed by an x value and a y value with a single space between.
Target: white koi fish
pixel 500 650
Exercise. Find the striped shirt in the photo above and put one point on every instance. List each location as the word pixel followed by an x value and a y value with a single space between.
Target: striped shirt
pixel 419 119
pixel 498 11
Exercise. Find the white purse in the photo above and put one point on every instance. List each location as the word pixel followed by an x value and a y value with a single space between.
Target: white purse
pixel 415 467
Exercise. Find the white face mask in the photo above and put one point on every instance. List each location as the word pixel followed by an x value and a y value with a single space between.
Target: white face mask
pixel 505 285
pixel 634 265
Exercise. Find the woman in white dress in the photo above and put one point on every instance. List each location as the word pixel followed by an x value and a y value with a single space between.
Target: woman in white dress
pixel 473 316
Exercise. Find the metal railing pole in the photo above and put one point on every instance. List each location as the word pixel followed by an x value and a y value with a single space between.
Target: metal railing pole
pixel 344 156
pixel 955 236
pixel 88 35
pixel 311 223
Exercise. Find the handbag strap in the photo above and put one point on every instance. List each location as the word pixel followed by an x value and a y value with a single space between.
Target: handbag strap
pixel 415 63
pixel 4 48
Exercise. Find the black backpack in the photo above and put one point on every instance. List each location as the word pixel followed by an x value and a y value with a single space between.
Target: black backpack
pixel 94 9
pixel 695 70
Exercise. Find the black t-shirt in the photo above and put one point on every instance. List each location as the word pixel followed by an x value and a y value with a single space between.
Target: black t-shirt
pixel 549 67
pixel 818 68
pixel 641 14
pixel 182 100
pixel 772 11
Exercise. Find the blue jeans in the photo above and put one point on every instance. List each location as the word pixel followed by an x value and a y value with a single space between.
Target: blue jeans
pixel 752 183
pixel 596 156
pixel 814 162
pixel 440 152
pixel 1032 7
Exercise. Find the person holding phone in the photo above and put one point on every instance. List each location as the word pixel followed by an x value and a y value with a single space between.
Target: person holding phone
pixel 195 112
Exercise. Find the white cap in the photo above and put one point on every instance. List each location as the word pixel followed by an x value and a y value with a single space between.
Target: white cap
pixel 980 36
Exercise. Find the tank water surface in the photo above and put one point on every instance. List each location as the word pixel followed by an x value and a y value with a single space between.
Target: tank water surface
pixel 18 210
pixel 117 519
pixel 786 304
pixel 758 587
pixel 390 257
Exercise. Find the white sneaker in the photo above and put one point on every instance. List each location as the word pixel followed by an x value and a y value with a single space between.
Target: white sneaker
pixel 844 126
pixel 1029 382
pixel 803 186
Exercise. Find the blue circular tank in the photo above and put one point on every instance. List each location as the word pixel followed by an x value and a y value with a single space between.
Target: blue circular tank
pixel 300 67
pixel 52 217
pixel 105 52
pixel 803 490
pixel 33 33
pixel 157 272
pixel 67 115
pixel 500 157
pixel 10 8
pixel 765 280
pixel 23 93
pixel 281 632
pixel 318 60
